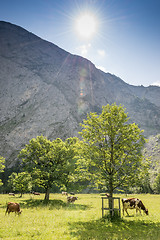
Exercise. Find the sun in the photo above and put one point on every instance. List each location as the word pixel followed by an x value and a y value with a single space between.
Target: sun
pixel 86 25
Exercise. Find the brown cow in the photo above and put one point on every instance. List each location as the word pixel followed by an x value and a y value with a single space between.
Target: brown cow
pixel 133 203
pixel 71 199
pixel 35 193
pixel 13 207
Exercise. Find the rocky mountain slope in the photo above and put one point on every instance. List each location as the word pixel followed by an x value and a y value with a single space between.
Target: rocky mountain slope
pixel 46 90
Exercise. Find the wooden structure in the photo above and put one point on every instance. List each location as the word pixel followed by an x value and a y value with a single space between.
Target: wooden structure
pixel 116 207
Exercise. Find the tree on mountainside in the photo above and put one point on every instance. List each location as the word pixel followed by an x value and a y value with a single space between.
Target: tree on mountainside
pixel 48 162
pixel 113 147
pixel 2 166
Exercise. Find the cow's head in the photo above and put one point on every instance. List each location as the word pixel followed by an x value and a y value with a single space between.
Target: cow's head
pixel 146 211
pixel 19 212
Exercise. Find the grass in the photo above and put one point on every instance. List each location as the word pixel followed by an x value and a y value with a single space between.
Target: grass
pixel 82 220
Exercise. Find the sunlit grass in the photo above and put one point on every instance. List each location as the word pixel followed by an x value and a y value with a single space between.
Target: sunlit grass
pixel 82 220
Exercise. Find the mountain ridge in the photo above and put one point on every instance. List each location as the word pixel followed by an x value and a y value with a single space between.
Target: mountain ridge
pixel 47 90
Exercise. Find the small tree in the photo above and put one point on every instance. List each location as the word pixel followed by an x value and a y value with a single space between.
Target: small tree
pixel 46 161
pixel 20 182
pixel 114 147
pixel 2 166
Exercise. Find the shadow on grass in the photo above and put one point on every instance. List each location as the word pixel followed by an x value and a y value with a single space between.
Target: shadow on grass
pixel 116 230
pixel 51 204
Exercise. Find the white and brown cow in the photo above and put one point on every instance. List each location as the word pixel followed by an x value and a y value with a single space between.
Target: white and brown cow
pixel 13 207
pixel 11 194
pixel 64 193
pixel 133 203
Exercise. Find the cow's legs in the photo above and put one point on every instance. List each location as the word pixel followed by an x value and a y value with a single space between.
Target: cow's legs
pixel 7 211
pixel 126 211
pixel 138 209
pixel 123 211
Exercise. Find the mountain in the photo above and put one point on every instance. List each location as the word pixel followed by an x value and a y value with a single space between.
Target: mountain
pixel 46 90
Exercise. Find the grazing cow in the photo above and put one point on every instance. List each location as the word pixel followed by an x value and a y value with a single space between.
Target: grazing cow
pixel 71 199
pixel 11 194
pixel 65 193
pixel 133 203
pixel 107 195
pixel 72 193
pixel 36 193
pixel 13 207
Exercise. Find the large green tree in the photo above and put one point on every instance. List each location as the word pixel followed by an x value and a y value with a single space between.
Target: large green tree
pixel 113 147
pixel 49 162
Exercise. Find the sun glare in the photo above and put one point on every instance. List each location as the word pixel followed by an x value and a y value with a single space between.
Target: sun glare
pixel 86 25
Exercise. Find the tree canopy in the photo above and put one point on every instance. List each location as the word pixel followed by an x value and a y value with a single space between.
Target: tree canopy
pixel 113 147
pixel 49 162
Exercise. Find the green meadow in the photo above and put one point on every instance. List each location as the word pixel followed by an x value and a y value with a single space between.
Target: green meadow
pixel 82 220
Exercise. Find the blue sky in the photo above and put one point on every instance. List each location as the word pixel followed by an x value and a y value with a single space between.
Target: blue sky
pixel 126 41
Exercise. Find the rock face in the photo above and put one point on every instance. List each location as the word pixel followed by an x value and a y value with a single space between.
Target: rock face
pixel 46 90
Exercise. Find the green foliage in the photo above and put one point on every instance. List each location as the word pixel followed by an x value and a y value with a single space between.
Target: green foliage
pixel 78 178
pixel 50 163
pixel 2 166
pixel 20 182
pixel 113 147
pixel 45 160
pixel 69 177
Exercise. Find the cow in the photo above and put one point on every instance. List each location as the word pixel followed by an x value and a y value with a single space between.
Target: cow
pixel 133 203
pixel 72 193
pixel 107 195
pixel 11 194
pixel 35 193
pixel 71 199
pixel 13 207
pixel 65 193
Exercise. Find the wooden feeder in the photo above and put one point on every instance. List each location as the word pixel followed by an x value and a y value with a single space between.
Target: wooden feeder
pixel 116 207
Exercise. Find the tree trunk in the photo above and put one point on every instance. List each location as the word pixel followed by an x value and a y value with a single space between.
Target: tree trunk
pixel 47 194
pixel 111 196
pixel 111 203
